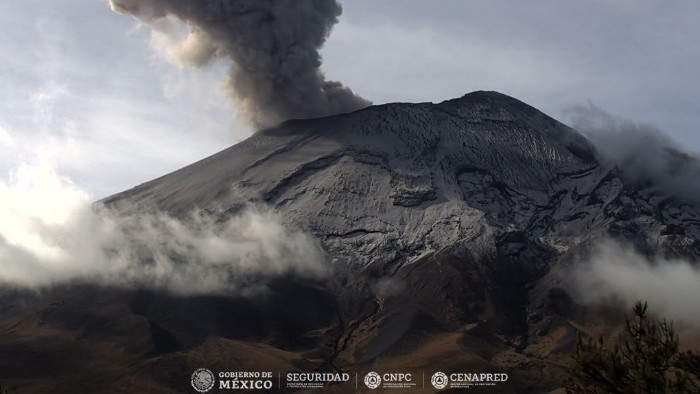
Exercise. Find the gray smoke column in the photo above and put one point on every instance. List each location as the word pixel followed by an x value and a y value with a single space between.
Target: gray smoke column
pixel 274 47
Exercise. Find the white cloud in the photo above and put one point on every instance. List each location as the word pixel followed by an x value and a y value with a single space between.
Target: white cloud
pixel 6 139
pixel 618 275
pixel 43 103
pixel 51 233
pixel 82 83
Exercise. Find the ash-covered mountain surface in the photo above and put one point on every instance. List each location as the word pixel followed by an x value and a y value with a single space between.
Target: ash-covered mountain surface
pixel 443 225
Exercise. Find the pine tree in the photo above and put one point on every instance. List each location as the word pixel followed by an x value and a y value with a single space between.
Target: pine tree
pixel 645 359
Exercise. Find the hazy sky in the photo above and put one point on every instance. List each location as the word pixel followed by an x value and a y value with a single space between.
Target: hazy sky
pixel 84 86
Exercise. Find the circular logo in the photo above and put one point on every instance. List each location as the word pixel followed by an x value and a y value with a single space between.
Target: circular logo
pixel 372 380
pixel 203 380
pixel 439 380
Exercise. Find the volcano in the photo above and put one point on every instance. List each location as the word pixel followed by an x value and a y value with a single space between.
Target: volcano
pixel 444 227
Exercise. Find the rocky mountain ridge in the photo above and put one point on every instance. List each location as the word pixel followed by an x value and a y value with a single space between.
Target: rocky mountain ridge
pixel 445 227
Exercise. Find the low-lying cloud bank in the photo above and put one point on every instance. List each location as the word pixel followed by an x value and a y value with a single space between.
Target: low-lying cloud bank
pixel 618 275
pixel 641 151
pixel 51 233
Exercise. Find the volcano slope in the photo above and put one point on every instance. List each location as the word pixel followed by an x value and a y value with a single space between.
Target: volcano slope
pixel 444 227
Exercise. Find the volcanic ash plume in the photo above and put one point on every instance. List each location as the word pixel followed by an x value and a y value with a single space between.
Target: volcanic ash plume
pixel 274 47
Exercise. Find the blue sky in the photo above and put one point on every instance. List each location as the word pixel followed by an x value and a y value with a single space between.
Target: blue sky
pixel 88 89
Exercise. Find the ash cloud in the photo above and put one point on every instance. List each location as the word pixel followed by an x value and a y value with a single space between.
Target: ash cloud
pixel 618 275
pixel 51 233
pixel 641 151
pixel 273 47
